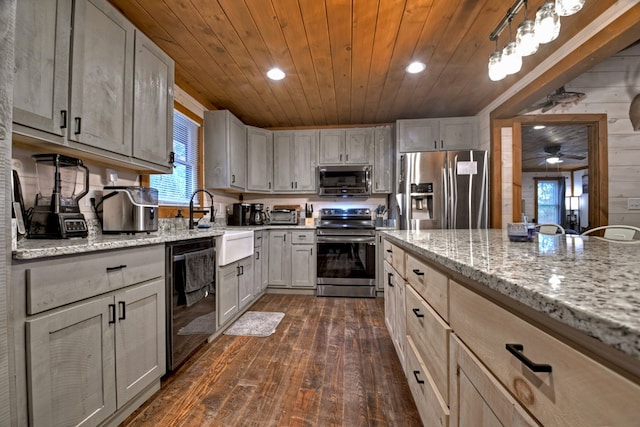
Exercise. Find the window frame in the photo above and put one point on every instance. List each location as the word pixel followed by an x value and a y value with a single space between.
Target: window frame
pixel 555 179
pixel 170 211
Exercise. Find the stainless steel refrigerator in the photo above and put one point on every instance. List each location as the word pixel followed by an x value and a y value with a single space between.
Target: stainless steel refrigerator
pixel 443 189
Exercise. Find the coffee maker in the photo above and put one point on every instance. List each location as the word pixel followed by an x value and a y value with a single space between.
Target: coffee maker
pixel 241 214
pixel 56 213
pixel 258 215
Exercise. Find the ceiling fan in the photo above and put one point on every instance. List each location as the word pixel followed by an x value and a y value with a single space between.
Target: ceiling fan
pixel 553 155
pixel 559 97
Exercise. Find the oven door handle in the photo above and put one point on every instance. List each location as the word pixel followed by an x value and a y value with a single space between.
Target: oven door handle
pixel 346 239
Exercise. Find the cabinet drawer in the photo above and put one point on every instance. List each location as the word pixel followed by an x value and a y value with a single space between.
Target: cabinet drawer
pixel 303 237
pixel 394 256
pixel 432 285
pixel 53 283
pixel 432 409
pixel 578 391
pixel 430 335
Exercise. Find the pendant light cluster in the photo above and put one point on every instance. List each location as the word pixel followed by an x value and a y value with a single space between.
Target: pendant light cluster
pixel 530 34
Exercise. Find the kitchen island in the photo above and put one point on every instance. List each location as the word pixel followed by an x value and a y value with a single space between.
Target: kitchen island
pixel 542 332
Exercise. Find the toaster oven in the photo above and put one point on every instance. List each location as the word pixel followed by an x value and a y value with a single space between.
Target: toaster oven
pixel 284 217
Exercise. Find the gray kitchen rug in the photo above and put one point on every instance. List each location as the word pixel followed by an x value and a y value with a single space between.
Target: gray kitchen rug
pixel 256 324
pixel 203 325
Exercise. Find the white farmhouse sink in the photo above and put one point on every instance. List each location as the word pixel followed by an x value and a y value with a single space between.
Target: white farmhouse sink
pixel 235 245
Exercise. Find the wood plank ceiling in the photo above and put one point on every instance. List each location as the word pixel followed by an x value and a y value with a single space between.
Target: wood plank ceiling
pixel 344 59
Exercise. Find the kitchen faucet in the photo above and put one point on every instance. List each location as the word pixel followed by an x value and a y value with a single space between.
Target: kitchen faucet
pixel 192 211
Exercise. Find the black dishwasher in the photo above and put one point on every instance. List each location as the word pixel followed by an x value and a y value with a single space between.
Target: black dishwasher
pixel 191 311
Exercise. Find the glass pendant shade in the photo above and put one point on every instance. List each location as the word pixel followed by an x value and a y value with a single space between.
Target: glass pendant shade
pixel 547 26
pixel 568 7
pixel 495 67
pixel 526 38
pixel 511 59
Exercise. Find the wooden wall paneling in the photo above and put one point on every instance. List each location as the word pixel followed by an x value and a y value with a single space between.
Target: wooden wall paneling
pixel 271 31
pixel 363 39
pixel 495 186
pixel 316 28
pixel 516 144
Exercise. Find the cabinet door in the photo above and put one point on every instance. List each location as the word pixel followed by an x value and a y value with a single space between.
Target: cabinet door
pixel 303 261
pixel 305 160
pixel 257 271
pixel 264 262
pixel 389 299
pixel 41 69
pixel 383 160
pixel 245 282
pixel 459 133
pixel 401 322
pixel 237 152
pixel 140 338
pixel 282 161
pixel 102 77
pixel 227 292
pixel 71 365
pixel 331 147
pixel 152 103
pixel 358 146
pixel 259 159
pixel 418 135
pixel 477 398
pixel 279 259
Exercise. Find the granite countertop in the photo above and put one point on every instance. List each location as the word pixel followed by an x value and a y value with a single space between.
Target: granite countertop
pixel 31 249
pixel 586 283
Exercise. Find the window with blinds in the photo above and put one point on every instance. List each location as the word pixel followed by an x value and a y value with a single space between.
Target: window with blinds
pixel 177 188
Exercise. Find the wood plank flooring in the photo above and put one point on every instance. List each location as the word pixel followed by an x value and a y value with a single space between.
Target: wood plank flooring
pixel 330 362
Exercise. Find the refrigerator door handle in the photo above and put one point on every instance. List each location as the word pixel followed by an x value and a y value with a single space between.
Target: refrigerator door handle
pixel 445 197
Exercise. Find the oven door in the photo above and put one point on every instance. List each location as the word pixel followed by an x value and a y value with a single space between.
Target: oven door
pixel 346 265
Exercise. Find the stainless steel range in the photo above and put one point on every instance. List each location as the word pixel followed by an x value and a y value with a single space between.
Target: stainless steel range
pixel 346 261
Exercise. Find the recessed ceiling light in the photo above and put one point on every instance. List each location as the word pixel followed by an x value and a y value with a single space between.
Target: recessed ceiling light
pixel 276 74
pixel 538 127
pixel 416 67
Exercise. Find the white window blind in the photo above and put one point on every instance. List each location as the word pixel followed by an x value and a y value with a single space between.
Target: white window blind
pixel 177 188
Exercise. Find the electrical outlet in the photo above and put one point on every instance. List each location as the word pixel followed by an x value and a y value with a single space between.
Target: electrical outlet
pixel 633 204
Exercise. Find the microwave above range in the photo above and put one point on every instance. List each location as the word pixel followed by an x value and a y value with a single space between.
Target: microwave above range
pixel 344 181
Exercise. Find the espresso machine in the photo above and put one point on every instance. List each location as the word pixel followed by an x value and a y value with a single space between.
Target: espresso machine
pixel 56 212
pixel 258 215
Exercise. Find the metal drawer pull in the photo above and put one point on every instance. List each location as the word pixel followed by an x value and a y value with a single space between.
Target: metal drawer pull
pixel 112 313
pixel 516 350
pixel 123 313
pixel 418 380
pixel 389 251
pixel 120 267
pixel 390 281
pixel 63 117
pixel 418 272
pixel 416 311
pixel 78 121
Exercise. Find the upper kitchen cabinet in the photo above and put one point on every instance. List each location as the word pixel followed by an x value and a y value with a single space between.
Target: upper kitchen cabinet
pixel 345 146
pixel 259 159
pixel 383 160
pixel 225 151
pixel 455 133
pixel 101 78
pixel 152 103
pixel 77 90
pixel 294 161
pixel 41 71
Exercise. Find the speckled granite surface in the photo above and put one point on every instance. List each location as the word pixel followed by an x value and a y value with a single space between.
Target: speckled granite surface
pixel 586 283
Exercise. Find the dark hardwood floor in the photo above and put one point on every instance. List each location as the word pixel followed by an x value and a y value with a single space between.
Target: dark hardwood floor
pixel 330 362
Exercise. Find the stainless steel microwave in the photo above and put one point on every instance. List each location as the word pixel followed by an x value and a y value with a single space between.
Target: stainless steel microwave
pixel 344 181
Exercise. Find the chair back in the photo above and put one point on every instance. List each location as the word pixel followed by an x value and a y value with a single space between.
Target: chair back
pixel 616 232
pixel 550 228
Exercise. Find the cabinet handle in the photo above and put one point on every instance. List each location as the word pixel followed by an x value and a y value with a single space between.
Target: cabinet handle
pixel 233 178
pixel 112 313
pixel 441 144
pixel 347 157
pixel 296 185
pixel 291 184
pixel 418 272
pixel 312 251
pixel 416 311
pixel 123 314
pixel 119 267
pixel 284 239
pixel 418 380
pixel 78 121
pixel 237 270
pixel 242 270
pixel 389 251
pixel 340 157
pixel 257 256
pixel 63 116
pixel 269 186
pixel 435 145
pixel 517 349
pixel 389 280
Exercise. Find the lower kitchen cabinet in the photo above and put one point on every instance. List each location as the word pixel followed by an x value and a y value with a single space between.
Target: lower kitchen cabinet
pixel 245 282
pixel 394 309
pixel 88 360
pixel 234 288
pixel 292 259
pixel 261 262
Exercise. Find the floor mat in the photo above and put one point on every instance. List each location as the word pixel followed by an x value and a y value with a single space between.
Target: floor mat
pixel 256 324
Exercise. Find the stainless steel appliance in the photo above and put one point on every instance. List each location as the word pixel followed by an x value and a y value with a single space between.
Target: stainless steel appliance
pixel 56 213
pixel 191 303
pixel 444 189
pixel 129 210
pixel 284 217
pixel 344 181
pixel 258 215
pixel 346 253
pixel 240 215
